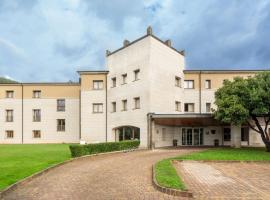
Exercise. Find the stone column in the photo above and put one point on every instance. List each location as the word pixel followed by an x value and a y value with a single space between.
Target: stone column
pixel 235 136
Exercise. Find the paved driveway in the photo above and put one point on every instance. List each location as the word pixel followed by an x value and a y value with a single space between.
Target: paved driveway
pixel 208 180
pixel 116 176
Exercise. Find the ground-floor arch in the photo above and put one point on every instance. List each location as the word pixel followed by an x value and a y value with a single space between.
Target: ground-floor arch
pixel 126 133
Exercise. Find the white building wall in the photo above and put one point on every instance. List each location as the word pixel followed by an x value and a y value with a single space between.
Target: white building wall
pixel 48 123
pixel 16 125
pixel 93 125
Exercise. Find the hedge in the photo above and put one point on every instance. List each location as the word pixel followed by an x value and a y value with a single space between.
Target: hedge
pixel 88 149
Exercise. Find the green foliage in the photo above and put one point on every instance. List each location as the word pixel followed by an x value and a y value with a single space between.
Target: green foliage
pixel 18 161
pixel 242 154
pixel 80 150
pixel 5 80
pixel 167 176
pixel 241 99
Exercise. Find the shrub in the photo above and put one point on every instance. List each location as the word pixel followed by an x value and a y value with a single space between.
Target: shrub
pixel 80 150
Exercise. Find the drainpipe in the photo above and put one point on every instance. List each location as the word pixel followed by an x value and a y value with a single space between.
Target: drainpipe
pixel 200 93
pixel 106 95
pixel 80 115
pixel 22 112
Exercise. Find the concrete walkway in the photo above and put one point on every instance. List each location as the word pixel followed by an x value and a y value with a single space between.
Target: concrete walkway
pixel 236 180
pixel 116 176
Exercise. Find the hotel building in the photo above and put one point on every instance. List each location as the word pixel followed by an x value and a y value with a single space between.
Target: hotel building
pixel 146 93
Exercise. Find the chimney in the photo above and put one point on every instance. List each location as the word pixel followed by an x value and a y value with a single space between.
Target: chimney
pixel 126 43
pixel 182 52
pixel 108 52
pixel 168 43
pixel 149 30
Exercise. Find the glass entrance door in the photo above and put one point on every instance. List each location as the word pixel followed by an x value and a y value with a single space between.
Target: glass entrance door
pixel 192 136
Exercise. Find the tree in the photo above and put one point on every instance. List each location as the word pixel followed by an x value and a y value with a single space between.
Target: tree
pixel 246 101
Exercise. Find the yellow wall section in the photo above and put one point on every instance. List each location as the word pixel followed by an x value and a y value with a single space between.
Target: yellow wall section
pixel 16 88
pixel 216 78
pixel 87 80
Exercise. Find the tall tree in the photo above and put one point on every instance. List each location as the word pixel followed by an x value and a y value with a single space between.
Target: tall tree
pixel 246 101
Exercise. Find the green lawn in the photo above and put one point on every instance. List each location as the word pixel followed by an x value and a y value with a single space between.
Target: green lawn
pixel 166 175
pixel 19 161
pixel 241 154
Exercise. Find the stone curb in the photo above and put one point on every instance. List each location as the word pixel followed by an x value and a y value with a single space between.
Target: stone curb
pixel 37 174
pixel 166 190
pixel 227 161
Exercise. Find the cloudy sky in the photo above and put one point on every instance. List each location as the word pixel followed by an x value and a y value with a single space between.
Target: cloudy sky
pixel 48 40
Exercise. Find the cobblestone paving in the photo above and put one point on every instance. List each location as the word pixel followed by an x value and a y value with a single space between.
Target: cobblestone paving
pixel 226 180
pixel 116 176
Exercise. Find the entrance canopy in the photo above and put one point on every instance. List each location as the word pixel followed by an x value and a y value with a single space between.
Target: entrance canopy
pixel 185 120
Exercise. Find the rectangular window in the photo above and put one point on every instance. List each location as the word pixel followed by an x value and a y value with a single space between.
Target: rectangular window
pixel 163 134
pixel 189 84
pixel 227 134
pixel 136 74
pixel 124 105
pixel 97 84
pixel 207 84
pixel 177 81
pixel 61 124
pixel 137 103
pixel 36 94
pixel 208 107
pixel 178 106
pixel 61 105
pixel 97 108
pixel 9 115
pixel 114 82
pixel 36 134
pixel 9 94
pixel 189 107
pixel 124 78
pixel 36 115
pixel 9 134
pixel 113 106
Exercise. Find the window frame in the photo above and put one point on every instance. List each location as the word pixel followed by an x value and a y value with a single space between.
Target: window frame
pixel 98 108
pixel 9 92
pixel 36 118
pixel 178 81
pixel 206 106
pixel 124 105
pixel 61 106
pixel 9 118
pixel 61 127
pixel 36 92
pixel 136 74
pixel 187 104
pixel 178 106
pixel 207 84
pixel 187 85
pixel 137 99
pixel 7 134
pixel 34 134
pixel 124 79
pixel 113 82
pixel 98 83
pixel 113 106
pixel 228 136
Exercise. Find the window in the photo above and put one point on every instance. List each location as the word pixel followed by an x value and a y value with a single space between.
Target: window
pixel 113 106
pixel 124 105
pixel 189 84
pixel 208 107
pixel 227 134
pixel 124 78
pixel 36 115
pixel 114 82
pixel 61 124
pixel 136 74
pixel 178 106
pixel 163 134
pixel 137 103
pixel 9 134
pixel 207 84
pixel 189 107
pixel 61 105
pixel 9 115
pixel 36 134
pixel 97 108
pixel 36 94
pixel 98 85
pixel 9 94
pixel 177 81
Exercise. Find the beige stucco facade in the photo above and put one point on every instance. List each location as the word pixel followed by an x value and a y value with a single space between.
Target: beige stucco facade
pixel 144 81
